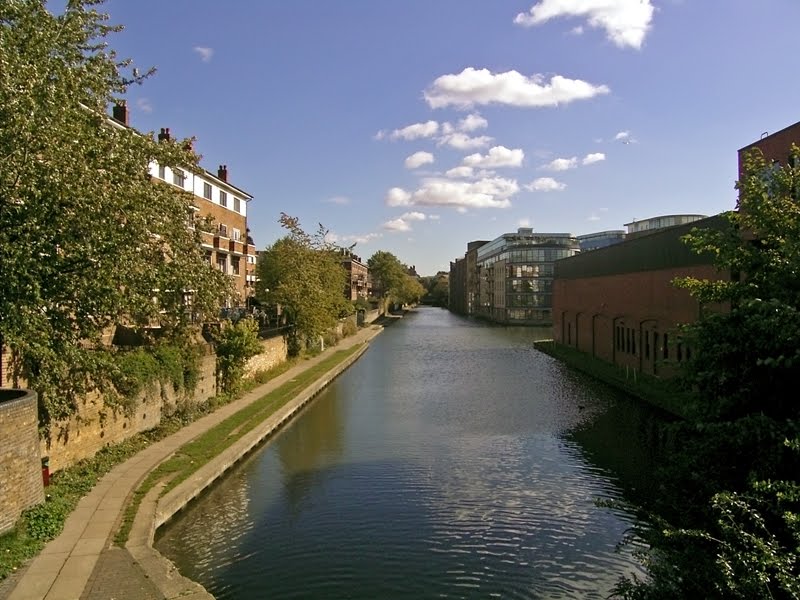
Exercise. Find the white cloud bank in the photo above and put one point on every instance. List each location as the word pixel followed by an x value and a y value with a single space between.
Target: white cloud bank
pixel 592 158
pixel 489 192
pixel 626 22
pixel 418 159
pixel 480 87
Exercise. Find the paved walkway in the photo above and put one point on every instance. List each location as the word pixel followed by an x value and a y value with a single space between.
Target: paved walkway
pixel 81 563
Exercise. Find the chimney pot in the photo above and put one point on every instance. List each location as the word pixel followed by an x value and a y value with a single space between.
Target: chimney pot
pixel 120 112
pixel 222 173
pixel 163 135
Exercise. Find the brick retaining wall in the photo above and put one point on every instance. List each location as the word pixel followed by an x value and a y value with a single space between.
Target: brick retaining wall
pixel 20 465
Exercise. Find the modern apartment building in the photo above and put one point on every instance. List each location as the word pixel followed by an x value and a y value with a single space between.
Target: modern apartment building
pixel 509 280
pixel 600 239
pixel 647 226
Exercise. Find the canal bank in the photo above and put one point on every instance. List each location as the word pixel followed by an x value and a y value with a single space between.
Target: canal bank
pixel 81 563
pixel 663 394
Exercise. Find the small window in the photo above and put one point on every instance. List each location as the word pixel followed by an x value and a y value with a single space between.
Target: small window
pixel 207 191
pixel 223 198
pixel 223 230
pixel 162 172
pixel 178 177
pixel 237 204
pixel 222 263
pixel 236 235
pixel 235 265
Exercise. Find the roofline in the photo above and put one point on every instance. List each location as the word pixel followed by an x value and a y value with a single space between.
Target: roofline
pixel 205 171
pixel 751 144
pixel 666 216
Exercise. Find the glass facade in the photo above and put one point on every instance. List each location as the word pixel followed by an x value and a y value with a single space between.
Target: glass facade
pixel 515 272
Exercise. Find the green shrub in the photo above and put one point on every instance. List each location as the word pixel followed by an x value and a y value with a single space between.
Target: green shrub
pixel 235 345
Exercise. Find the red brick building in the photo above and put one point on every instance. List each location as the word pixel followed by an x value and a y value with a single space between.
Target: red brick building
pixel 775 147
pixel 618 303
pixel 358 284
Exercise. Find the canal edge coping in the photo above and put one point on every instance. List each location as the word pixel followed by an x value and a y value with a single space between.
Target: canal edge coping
pixel 154 511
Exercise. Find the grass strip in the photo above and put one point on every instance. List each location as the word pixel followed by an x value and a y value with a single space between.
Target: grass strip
pixel 665 394
pixel 208 445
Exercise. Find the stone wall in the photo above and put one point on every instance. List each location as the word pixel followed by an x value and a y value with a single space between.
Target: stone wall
pixel 273 352
pixel 96 425
pixel 20 465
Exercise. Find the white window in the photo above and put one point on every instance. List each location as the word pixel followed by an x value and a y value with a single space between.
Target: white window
pixel 237 235
pixel 223 198
pixel 207 191
pixel 178 177
pixel 162 172
pixel 237 204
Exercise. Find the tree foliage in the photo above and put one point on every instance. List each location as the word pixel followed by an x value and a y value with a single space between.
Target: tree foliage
pixel 234 345
pixel 733 531
pixel 86 239
pixel 391 281
pixel 303 274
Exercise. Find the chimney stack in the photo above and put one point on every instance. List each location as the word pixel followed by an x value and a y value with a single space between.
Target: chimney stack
pixel 222 173
pixel 163 135
pixel 120 112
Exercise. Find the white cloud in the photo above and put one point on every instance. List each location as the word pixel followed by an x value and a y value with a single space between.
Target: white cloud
pixel 447 128
pixel 341 200
pixel 434 217
pixel 499 156
pixel 401 223
pixel 490 192
pixel 418 159
pixel 545 184
pixel 594 216
pixel 578 30
pixel 204 52
pixel 461 141
pixel 144 105
pixel 396 225
pixel 415 131
pixel 472 122
pixel 460 172
pixel 626 22
pixel 397 197
pixel 352 239
pixel 562 164
pixel 593 158
pixel 625 137
pixel 480 86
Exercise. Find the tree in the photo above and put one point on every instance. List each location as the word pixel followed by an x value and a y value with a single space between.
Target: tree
pixel 86 239
pixel 741 456
pixel 303 274
pixel 388 273
pixel 746 358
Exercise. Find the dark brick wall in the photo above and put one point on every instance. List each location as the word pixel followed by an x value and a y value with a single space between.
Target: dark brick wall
pixel 20 464
pixel 775 146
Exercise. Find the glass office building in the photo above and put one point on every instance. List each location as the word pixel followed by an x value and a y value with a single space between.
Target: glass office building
pixel 515 275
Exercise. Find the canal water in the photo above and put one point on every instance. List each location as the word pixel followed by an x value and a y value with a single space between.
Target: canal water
pixel 451 461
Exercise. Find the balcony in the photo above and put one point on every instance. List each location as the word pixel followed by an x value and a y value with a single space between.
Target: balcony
pixel 236 247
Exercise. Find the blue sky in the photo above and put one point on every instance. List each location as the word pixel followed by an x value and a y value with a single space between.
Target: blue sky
pixel 415 126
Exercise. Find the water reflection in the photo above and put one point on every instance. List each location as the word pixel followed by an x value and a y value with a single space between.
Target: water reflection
pixel 306 452
pixel 452 460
